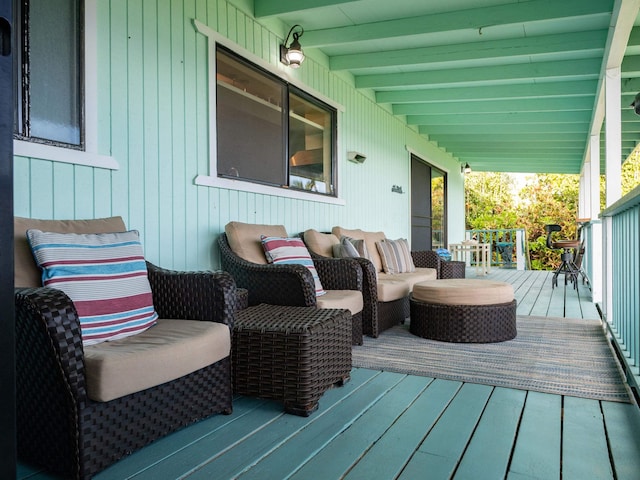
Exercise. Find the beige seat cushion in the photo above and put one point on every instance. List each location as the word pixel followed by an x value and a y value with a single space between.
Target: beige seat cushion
pixel 461 291
pixel 27 273
pixel 320 243
pixel 166 351
pixel 348 299
pixel 244 239
pixel 370 238
pixel 398 285
pixel 390 289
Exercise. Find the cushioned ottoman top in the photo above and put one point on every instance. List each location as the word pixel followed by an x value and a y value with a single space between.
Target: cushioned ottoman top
pixel 461 291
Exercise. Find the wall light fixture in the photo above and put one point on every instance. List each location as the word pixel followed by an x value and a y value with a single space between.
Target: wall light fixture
pixel 292 55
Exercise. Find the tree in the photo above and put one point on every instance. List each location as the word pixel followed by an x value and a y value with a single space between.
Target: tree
pixel 493 202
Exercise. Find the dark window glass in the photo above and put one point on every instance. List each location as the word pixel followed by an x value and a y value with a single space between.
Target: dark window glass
pixel 49 67
pixel 270 132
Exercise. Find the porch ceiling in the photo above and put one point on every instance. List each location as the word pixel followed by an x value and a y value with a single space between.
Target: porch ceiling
pixel 504 85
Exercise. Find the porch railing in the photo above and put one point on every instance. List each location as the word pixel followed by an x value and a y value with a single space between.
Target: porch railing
pixel 621 237
pixel 508 246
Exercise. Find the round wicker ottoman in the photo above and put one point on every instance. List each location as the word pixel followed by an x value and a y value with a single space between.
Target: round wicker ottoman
pixel 463 311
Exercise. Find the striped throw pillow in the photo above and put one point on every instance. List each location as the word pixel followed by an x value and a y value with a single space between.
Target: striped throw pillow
pixel 291 250
pixel 396 256
pixel 105 275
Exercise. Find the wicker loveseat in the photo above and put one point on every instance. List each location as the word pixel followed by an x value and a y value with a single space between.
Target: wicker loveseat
pixel 60 426
pixel 241 255
pixel 386 296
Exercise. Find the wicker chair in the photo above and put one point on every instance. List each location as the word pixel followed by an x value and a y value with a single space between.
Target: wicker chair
pixel 64 431
pixel 292 284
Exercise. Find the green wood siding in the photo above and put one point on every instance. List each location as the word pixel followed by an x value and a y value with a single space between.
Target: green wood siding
pixel 153 113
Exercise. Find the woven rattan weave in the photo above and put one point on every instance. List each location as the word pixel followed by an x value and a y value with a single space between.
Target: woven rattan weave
pixel 291 354
pixel 463 323
pixel 60 428
pixel 292 284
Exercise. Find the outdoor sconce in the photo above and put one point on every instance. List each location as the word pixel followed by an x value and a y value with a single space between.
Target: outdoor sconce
pixel 292 55
pixel 465 169
pixel 636 104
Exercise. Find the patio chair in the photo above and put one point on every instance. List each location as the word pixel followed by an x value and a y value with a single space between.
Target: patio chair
pixel 61 426
pixel 243 256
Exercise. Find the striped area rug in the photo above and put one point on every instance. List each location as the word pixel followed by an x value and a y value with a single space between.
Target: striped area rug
pixel 552 355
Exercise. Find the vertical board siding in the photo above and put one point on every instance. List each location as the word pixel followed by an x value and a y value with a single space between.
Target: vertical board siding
pixel 153 118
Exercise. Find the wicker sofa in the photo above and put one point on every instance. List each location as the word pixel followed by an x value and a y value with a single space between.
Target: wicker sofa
pixel 242 256
pixel 386 296
pixel 60 426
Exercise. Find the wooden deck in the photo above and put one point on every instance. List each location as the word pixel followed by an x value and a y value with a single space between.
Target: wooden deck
pixel 384 425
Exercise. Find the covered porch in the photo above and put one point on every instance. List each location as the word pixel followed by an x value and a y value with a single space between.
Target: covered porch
pixel 419 82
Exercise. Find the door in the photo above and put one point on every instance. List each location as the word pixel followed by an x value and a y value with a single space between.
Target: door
pixel 428 206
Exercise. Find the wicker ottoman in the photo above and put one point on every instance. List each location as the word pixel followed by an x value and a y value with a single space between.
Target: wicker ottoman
pixel 463 311
pixel 291 354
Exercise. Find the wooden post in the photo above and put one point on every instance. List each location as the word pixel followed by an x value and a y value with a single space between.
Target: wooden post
pixel 7 329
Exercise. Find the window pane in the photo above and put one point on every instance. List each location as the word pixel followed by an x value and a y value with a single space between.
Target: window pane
pixel 55 70
pixel 310 144
pixel 250 124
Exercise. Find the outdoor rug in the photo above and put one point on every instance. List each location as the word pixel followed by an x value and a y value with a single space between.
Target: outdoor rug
pixel 551 355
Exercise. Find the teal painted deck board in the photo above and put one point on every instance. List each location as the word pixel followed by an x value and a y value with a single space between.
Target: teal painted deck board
pixel 336 458
pixel 279 457
pixel 584 444
pixel 446 442
pixel 537 448
pixel 489 451
pixel 623 430
pixel 387 457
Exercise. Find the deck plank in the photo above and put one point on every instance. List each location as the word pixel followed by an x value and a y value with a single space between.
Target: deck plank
pixel 387 457
pixel 442 449
pixel 489 451
pixel 622 421
pixel 537 449
pixel 290 440
pixel 584 443
pixel 337 457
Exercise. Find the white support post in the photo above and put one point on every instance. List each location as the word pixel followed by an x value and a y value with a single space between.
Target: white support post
pixel 613 174
pixel 593 209
pixel 520 265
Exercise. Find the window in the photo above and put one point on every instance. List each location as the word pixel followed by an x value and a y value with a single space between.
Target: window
pixel 270 132
pixel 49 68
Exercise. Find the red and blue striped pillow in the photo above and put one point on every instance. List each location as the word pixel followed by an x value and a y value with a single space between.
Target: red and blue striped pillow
pixel 104 274
pixel 291 250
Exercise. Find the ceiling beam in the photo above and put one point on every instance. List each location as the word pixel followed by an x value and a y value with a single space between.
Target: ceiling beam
pixel 481 53
pixel 478 19
pixel 491 92
pixel 446 138
pixel 538 129
pixel 525 118
pixel 542 71
pixel 266 8
pixel 496 106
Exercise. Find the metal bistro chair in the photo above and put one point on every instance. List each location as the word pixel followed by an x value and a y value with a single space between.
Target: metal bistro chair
pixel 567 267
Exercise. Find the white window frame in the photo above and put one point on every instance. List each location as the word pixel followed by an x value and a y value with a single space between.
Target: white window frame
pixel 89 156
pixel 212 179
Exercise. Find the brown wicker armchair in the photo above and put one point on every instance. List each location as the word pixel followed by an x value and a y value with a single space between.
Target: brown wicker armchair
pixel 63 430
pixel 292 284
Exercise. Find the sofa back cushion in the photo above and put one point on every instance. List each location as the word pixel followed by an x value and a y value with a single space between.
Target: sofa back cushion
pixel 244 239
pixel 320 243
pixel 27 273
pixel 370 239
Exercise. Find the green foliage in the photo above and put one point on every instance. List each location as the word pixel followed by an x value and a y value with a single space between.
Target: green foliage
pixel 494 202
